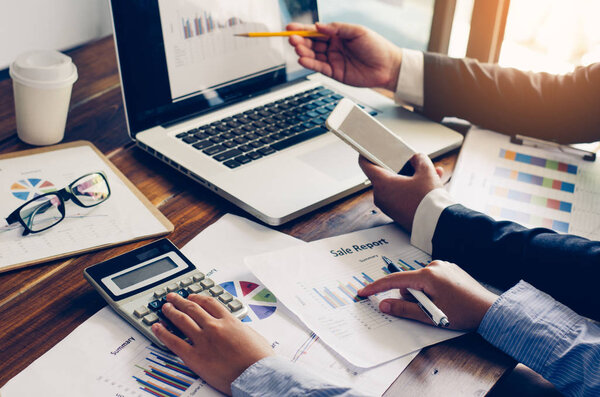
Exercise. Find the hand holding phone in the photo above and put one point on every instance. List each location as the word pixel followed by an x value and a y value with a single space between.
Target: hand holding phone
pixel 370 138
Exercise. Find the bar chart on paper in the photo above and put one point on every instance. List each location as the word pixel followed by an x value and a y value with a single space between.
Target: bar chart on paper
pixel 337 296
pixel 319 282
pixel 531 186
pixel 343 292
pixel 152 372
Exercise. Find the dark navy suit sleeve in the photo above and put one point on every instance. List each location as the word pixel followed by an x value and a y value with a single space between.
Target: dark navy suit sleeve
pixel 502 253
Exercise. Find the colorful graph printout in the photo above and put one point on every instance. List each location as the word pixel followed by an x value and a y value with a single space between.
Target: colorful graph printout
pixel 163 374
pixel 528 219
pixel 345 292
pixel 538 161
pixel 531 199
pixel 261 302
pixel 537 180
pixel 27 189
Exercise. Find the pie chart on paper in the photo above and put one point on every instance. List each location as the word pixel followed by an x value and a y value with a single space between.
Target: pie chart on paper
pixel 27 189
pixel 260 301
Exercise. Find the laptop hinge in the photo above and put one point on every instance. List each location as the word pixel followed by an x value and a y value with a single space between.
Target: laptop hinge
pixel 230 102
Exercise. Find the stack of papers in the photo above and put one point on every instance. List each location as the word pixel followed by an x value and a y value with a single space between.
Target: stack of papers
pixel 107 357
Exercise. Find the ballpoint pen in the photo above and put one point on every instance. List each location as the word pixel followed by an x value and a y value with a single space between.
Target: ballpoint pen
pixel 541 144
pixel 429 308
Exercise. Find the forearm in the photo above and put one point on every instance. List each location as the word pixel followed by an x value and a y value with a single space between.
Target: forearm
pixel 547 336
pixel 552 107
pixel 276 376
pixel 502 253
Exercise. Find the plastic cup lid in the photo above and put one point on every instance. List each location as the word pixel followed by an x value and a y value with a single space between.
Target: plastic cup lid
pixel 44 69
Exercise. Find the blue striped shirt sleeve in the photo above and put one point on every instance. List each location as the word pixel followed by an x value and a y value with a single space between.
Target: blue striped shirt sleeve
pixel 547 336
pixel 277 376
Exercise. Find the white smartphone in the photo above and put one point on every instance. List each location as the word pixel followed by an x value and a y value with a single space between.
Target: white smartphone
pixel 370 138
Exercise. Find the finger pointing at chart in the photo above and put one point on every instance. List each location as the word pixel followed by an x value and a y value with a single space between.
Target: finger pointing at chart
pixel 457 294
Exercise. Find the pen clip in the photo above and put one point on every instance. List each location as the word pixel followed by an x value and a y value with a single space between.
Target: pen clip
pixel 444 323
pixel 541 144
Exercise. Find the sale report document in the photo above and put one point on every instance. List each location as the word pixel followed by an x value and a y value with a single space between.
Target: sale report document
pixel 318 283
pixel 535 187
pixel 105 356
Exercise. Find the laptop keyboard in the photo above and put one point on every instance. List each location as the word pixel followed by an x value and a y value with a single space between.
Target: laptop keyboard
pixel 264 130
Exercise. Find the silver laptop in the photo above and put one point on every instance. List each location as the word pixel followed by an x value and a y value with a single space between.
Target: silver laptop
pixel 239 115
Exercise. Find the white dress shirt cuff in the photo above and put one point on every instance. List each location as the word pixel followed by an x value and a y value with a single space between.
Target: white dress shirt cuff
pixel 427 216
pixel 410 80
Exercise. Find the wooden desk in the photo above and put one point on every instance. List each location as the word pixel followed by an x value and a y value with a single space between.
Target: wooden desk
pixel 41 305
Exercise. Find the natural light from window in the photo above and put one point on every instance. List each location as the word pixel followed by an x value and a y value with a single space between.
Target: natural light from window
pixel 551 35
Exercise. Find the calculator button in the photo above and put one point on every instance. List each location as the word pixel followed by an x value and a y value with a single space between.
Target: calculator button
pixel 207 283
pixel 186 281
pixel 216 290
pixel 141 311
pixel 155 305
pixel 172 287
pixel 194 289
pixel 225 297
pixel 150 319
pixel 198 277
pixel 234 305
pixel 183 293
pixel 159 293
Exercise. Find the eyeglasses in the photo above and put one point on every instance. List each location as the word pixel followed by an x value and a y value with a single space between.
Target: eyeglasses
pixel 48 209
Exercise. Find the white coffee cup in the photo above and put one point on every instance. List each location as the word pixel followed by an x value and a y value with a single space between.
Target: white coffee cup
pixel 42 84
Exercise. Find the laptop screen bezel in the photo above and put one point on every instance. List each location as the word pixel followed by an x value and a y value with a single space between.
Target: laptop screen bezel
pixel 173 112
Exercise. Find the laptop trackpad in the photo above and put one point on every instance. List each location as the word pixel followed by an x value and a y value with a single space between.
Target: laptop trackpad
pixel 337 161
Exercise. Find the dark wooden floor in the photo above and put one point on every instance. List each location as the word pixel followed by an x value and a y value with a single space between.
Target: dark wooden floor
pixel 42 304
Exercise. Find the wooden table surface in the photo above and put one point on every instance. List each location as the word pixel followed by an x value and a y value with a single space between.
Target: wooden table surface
pixel 40 305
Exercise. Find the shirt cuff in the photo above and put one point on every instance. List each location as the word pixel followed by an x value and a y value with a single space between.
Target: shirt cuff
pixel 410 80
pixel 427 216
pixel 528 325
pixel 278 376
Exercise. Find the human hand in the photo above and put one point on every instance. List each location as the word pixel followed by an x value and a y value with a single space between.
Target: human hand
pixel 351 54
pixel 457 294
pixel 221 347
pixel 399 196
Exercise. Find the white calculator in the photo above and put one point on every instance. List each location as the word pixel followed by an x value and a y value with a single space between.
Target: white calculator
pixel 135 284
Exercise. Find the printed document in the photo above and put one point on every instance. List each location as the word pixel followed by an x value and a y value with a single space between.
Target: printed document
pixel 105 356
pixel 318 283
pixel 535 187
pixel 123 217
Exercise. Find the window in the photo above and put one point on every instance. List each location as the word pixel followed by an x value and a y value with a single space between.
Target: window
pixel 407 23
pixel 551 35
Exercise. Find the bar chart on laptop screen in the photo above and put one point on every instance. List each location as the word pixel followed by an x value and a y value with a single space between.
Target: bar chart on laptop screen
pixel 527 185
pixel 202 50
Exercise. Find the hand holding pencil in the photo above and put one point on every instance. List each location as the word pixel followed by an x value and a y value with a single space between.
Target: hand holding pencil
pixel 288 33
pixel 348 53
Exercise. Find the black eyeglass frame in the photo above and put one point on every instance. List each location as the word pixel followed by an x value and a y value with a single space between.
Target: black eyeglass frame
pixel 65 194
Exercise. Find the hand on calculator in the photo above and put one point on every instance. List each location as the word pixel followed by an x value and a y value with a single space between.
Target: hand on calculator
pixel 220 346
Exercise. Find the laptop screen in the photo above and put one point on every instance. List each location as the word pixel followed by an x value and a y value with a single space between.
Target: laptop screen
pixel 181 57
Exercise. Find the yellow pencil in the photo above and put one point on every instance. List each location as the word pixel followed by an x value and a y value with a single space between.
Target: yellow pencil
pixel 303 33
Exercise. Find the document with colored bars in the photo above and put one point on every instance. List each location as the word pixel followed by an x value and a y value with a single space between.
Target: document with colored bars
pixel 319 281
pixel 532 186
pixel 105 356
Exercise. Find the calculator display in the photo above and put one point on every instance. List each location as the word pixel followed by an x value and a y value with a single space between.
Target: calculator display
pixel 145 272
